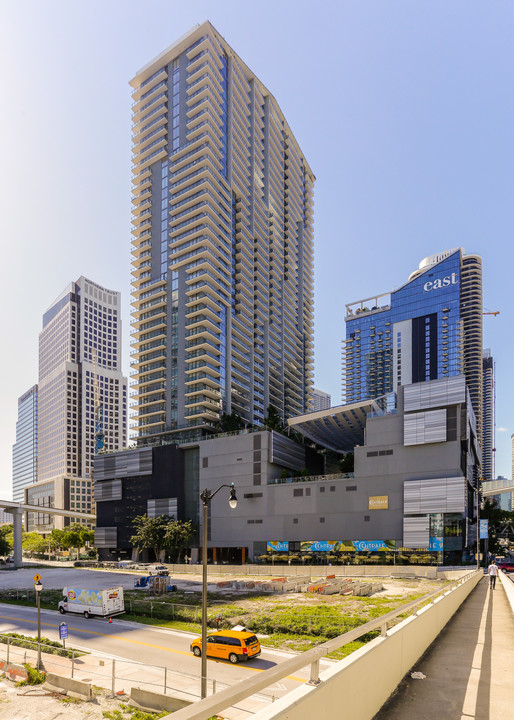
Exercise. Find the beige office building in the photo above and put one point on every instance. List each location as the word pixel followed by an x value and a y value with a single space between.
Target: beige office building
pixel 222 244
pixel 80 341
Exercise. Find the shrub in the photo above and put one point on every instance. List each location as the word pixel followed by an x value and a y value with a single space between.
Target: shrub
pixel 35 677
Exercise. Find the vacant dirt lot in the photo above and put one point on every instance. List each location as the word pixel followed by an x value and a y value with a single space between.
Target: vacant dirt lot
pixel 35 703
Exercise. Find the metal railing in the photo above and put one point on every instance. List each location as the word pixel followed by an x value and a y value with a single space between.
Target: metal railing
pixel 113 674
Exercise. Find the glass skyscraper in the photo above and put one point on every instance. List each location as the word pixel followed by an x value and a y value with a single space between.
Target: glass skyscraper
pixel 222 244
pixel 429 328
pixel 24 452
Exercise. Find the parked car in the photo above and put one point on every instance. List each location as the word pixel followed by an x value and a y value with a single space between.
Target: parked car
pixel 159 569
pixel 233 645
pixel 506 564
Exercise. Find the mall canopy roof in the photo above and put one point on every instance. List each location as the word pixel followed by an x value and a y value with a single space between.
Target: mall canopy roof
pixel 339 428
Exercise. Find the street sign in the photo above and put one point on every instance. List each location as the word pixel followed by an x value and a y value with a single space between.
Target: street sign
pixel 37 578
pixel 63 631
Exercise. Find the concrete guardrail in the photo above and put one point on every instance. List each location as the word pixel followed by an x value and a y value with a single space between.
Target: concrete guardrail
pixel 508 586
pixel 69 686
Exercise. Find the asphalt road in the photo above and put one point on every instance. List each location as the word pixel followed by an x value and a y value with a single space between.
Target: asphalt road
pixel 55 578
pixel 143 644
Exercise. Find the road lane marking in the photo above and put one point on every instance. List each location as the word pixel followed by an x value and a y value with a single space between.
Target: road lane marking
pixel 134 642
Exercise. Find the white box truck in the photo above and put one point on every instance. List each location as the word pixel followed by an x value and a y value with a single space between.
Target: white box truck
pixel 104 603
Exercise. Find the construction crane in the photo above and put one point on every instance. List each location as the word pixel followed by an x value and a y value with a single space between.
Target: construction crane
pixel 490 312
pixel 99 409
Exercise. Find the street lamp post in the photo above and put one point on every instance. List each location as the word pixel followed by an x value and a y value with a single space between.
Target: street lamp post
pixel 206 497
pixel 38 587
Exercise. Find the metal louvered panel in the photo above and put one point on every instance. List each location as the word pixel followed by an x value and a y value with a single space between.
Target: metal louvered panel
pixel 416 532
pixel 424 427
pixel 129 463
pixel 107 490
pixel 411 496
pixel 106 537
pixel 434 495
pixel 286 452
pixel 162 506
pixel 435 393
pixel 455 495
pixel 435 426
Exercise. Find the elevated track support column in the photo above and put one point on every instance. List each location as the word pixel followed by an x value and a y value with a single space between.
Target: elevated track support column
pixel 17 514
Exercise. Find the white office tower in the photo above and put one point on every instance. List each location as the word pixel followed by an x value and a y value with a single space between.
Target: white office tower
pixel 222 246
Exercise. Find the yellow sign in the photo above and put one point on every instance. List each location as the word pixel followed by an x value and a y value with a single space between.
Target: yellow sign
pixel 37 578
pixel 378 502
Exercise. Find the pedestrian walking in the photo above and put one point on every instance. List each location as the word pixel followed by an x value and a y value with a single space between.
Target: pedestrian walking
pixel 493 573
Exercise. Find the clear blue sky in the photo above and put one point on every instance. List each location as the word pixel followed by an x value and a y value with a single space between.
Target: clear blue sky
pixel 405 111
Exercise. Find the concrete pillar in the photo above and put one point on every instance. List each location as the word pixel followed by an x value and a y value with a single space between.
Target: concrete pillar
pixel 17 514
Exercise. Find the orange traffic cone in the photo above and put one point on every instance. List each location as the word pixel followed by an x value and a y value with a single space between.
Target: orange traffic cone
pixel 110 620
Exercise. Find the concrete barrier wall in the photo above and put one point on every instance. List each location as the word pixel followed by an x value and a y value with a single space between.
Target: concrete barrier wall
pixel 358 686
pixel 14 671
pixel 508 586
pixel 70 686
pixel 155 702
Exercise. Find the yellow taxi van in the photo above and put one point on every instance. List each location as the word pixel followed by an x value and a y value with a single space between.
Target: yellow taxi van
pixel 233 645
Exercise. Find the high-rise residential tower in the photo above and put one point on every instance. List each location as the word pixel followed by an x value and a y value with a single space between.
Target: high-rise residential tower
pixel 429 328
pixel 24 452
pixel 79 346
pixel 223 243
pixel 320 400
pixel 487 416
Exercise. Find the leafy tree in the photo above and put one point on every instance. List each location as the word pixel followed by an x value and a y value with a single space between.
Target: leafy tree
pixel 501 523
pixel 273 420
pixel 231 423
pixel 179 534
pixel 150 533
pixel 55 539
pixel 75 536
pixel 5 544
pixel 162 533
pixel 347 463
pixel 34 542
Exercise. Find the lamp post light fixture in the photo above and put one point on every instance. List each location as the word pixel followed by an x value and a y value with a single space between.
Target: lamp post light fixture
pixel 38 586
pixel 206 497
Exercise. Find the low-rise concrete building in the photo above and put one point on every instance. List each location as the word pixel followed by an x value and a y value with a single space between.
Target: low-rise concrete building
pixel 416 469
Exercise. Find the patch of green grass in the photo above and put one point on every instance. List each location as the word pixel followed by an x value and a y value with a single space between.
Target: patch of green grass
pixel 133 713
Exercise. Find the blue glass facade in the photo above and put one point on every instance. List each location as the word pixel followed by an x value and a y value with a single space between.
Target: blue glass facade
pixel 414 336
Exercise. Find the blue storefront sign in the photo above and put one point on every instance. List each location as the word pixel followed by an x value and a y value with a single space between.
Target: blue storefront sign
pixel 367 545
pixel 436 543
pixel 277 546
pixel 484 529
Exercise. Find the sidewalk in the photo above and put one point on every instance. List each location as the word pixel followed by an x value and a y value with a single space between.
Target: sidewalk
pixel 468 668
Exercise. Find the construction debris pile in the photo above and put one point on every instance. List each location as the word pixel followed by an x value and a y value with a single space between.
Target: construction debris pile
pixel 323 586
